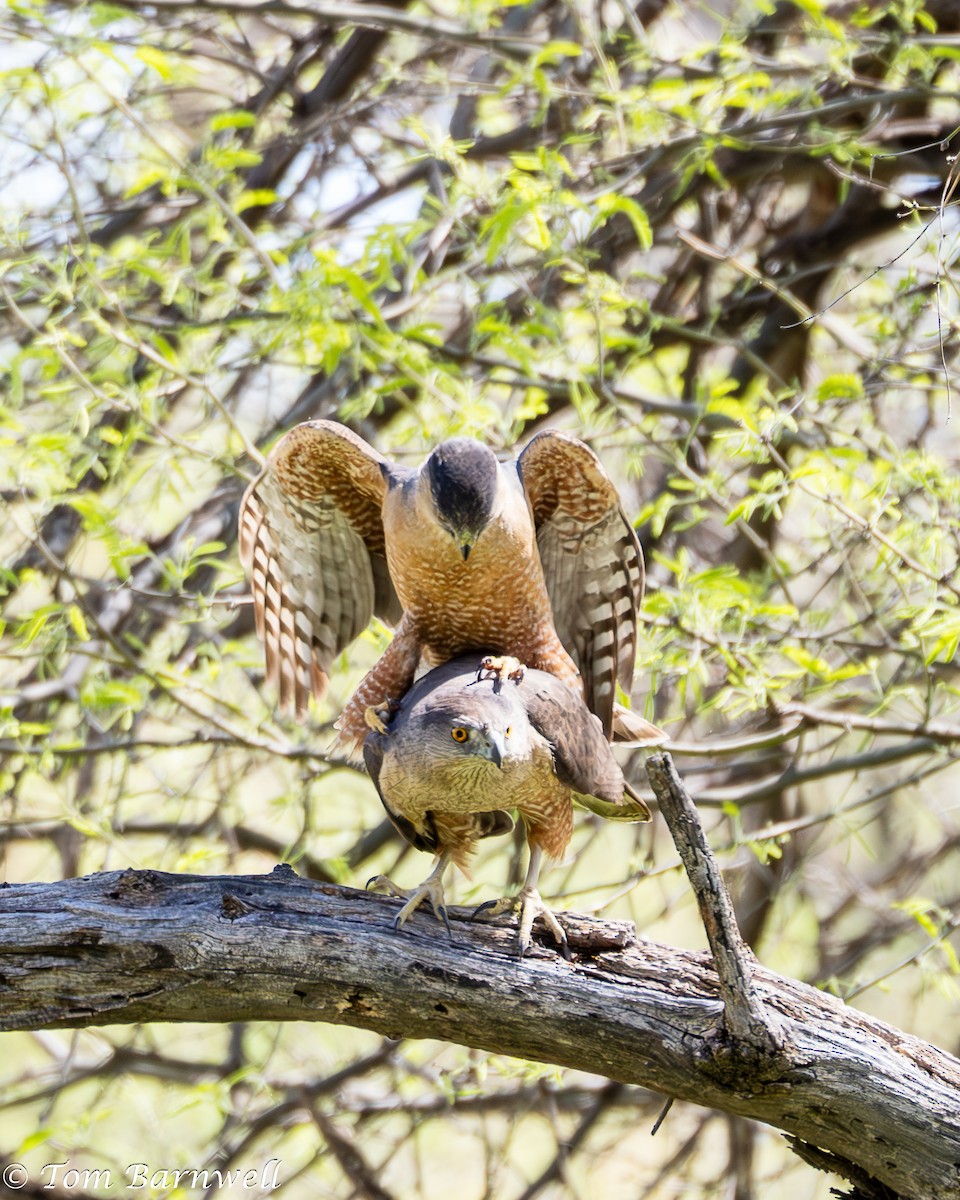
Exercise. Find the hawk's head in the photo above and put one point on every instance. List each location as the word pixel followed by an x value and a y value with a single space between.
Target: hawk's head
pixel 468 728
pixel 462 476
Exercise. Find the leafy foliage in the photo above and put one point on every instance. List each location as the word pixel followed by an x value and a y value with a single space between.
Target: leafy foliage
pixel 721 248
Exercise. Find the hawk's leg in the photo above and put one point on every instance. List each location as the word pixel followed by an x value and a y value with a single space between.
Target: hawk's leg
pixel 499 668
pixel 392 676
pixel 431 889
pixel 531 906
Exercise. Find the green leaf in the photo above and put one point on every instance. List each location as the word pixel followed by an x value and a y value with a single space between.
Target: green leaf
pixel 76 619
pixel 101 693
pixel 231 158
pixel 103 14
pixel 238 118
pixel 254 198
pixel 156 60
pixel 840 387
pixel 554 52
pixel 611 203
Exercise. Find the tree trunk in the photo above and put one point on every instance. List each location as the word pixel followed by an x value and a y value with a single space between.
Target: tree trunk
pixel 878 1106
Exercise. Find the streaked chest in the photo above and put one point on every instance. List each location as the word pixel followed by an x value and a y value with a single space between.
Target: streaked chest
pixel 460 604
pixel 413 785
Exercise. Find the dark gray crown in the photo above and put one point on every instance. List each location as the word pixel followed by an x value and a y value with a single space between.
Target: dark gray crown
pixel 463 483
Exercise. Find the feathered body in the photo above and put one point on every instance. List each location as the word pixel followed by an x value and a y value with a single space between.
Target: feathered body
pixel 482 572
pixel 466 747
pixel 459 749
pixel 532 558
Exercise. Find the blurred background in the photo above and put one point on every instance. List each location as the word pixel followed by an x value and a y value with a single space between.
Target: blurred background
pixel 718 242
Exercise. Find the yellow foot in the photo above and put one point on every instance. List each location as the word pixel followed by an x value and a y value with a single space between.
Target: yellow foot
pixel 500 668
pixel 530 903
pixel 376 716
pixel 352 727
pixel 431 889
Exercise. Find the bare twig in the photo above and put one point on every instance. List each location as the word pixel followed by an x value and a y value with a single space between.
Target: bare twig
pixel 744 1018
pixel 937 730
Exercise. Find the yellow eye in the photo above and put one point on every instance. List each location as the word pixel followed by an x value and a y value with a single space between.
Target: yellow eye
pixel 508 731
pixel 458 733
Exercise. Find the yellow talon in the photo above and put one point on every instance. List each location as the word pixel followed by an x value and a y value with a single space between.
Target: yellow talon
pixel 375 716
pixel 501 667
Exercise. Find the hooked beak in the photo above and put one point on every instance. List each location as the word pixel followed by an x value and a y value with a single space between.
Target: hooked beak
pixel 497 748
pixel 462 539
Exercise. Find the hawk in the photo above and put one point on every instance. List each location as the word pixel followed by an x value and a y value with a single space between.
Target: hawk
pixel 533 558
pixel 465 747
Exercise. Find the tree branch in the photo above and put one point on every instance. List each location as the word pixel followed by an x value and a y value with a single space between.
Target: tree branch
pixel 144 946
pixel 746 1022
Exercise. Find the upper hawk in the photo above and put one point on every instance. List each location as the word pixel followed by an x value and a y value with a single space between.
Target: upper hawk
pixel 532 558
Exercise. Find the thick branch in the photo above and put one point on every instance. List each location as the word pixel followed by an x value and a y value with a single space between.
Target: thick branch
pixel 143 946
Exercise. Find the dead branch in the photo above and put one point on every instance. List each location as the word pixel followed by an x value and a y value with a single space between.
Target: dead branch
pixel 137 946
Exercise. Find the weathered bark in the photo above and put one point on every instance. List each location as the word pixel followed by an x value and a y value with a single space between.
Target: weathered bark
pixel 144 946
pixel 746 1022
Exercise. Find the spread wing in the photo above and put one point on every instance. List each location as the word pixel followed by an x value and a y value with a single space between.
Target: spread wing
pixel 311 541
pixel 592 563
pixel 582 756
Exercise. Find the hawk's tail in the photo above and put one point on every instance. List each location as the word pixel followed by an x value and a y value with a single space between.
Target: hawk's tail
pixel 629 726
pixel 632 809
